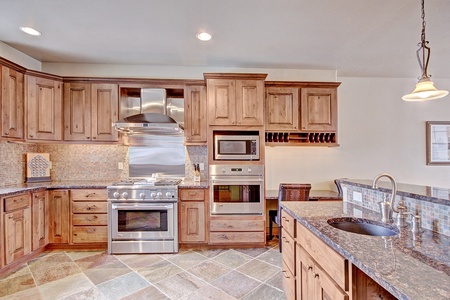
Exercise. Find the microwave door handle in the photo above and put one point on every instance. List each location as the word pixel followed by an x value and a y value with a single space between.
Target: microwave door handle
pixel 141 206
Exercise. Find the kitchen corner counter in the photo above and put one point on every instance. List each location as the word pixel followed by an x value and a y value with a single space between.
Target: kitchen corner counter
pixel 408 266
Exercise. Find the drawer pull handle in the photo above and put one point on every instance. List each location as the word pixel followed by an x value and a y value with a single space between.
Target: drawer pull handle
pixel 91 230
pixel 284 218
pixel 93 218
pixel 93 207
pixel 284 239
pixel 309 268
pixel 91 194
pixel 316 275
pixel 285 276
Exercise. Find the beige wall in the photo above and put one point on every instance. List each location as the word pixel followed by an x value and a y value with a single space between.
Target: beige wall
pixel 18 57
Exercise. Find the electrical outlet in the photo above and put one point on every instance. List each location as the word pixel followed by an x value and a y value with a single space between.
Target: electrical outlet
pixel 357 196
pixel 120 165
pixel 202 166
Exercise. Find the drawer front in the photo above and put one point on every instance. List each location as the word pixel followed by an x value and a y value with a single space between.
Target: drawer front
pixel 288 254
pixel 89 207
pixel 236 225
pixel 192 194
pixel 287 223
pixel 288 282
pixel 236 237
pixel 89 234
pixel 17 202
pixel 333 263
pixel 89 195
pixel 89 219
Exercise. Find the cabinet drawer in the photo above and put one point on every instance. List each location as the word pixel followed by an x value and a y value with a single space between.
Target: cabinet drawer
pixel 89 195
pixel 192 194
pixel 287 223
pixel 288 254
pixel 89 207
pixel 89 234
pixel 89 219
pixel 17 202
pixel 334 264
pixel 236 225
pixel 236 237
pixel 288 282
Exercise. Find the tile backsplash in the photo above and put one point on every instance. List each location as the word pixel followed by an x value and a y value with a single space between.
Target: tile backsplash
pixel 82 161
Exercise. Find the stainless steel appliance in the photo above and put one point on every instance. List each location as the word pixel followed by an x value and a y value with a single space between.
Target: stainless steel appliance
pixel 142 216
pixel 236 189
pixel 236 147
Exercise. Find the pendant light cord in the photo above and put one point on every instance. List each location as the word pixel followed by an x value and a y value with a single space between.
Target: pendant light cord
pixel 423 46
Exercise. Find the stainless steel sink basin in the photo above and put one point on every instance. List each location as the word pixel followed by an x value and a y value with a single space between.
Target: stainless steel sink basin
pixel 363 226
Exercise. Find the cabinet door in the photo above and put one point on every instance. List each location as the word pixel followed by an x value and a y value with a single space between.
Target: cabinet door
pixel 44 109
pixel 17 234
pixel 326 288
pixel 249 102
pixel 319 109
pixel 77 111
pixel 195 114
pixel 221 101
pixel 59 216
pixel 305 286
pixel 282 109
pixel 192 222
pixel 11 99
pixel 40 219
pixel 105 111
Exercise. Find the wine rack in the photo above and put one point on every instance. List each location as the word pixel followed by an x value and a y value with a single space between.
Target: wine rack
pixel 301 138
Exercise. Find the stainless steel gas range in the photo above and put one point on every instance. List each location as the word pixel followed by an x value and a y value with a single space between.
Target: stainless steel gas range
pixel 143 216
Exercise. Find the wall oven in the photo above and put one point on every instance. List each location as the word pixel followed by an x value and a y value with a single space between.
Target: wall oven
pixel 237 189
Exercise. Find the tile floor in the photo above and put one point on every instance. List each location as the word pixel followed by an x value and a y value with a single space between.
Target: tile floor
pixel 194 274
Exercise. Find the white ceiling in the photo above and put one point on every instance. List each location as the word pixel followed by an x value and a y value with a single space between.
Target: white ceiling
pixel 364 38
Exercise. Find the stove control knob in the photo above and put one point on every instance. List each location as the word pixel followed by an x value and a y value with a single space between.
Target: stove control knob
pixel 142 195
pixel 223 170
pixel 153 195
pixel 168 194
pixel 125 195
pixel 116 195
pixel 159 194
pixel 249 170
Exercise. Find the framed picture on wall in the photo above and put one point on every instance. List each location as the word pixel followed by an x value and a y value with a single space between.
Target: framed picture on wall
pixel 438 143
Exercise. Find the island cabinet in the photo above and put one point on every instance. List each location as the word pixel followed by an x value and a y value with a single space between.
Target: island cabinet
pixel 43 108
pixel 195 121
pixel 89 111
pixel 16 228
pixel 12 102
pixel 58 217
pixel 88 213
pixel 40 219
pixel 235 99
pixel 288 254
pixel 192 214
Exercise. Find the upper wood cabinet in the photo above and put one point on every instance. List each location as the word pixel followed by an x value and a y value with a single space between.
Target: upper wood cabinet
pixel 282 108
pixel 319 109
pixel 89 111
pixel 195 115
pixel 235 99
pixel 11 99
pixel 44 108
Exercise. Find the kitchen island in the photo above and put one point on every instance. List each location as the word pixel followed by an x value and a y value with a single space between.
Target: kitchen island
pixel 408 266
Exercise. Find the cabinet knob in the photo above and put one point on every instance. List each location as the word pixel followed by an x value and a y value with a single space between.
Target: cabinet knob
pixel 6 133
pixel 316 275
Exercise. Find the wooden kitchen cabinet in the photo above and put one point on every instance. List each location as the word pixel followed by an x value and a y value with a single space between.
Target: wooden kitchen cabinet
pixel 16 232
pixel 89 111
pixel 192 225
pixel 282 108
pixel 88 216
pixel 43 108
pixel 235 99
pixel 288 254
pixel 58 217
pixel 195 121
pixel 40 219
pixel 12 103
pixel 319 109
pixel 237 230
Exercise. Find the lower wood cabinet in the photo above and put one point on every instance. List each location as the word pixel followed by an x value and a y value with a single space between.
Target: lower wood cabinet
pixel 58 217
pixel 192 221
pixel 236 230
pixel 40 219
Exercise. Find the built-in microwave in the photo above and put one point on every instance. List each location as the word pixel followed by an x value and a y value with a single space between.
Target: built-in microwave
pixel 236 147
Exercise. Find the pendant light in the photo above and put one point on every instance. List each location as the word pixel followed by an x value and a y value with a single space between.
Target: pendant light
pixel 425 89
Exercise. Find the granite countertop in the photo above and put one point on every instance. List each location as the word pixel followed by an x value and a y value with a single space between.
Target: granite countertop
pixel 409 266
pixel 313 195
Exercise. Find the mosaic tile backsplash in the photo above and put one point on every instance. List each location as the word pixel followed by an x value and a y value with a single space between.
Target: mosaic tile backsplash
pixel 435 216
pixel 82 162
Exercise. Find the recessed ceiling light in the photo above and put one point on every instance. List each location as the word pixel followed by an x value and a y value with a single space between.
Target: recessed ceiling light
pixel 29 30
pixel 204 36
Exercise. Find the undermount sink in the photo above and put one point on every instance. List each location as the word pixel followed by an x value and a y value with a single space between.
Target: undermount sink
pixel 363 226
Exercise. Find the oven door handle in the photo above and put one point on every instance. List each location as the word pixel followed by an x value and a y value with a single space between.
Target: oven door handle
pixel 141 206
pixel 237 181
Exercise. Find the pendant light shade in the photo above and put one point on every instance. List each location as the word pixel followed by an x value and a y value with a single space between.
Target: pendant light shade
pixel 425 89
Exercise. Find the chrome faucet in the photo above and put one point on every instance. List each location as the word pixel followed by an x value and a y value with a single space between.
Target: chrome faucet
pixel 387 207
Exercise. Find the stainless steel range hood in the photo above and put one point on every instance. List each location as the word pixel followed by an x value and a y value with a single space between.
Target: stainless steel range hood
pixel 151 112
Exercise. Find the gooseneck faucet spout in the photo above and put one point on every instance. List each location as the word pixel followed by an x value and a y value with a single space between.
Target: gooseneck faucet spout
pixel 387 207
pixel 394 188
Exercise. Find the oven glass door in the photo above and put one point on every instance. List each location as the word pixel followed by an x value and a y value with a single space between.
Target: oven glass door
pixel 234 196
pixel 142 221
